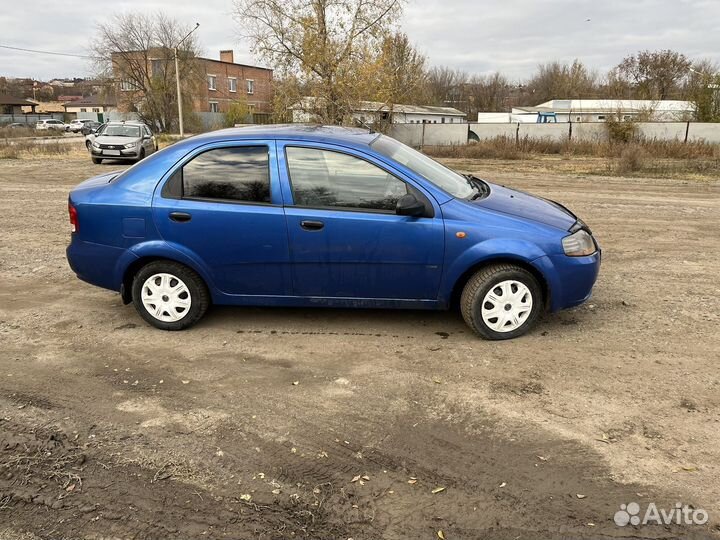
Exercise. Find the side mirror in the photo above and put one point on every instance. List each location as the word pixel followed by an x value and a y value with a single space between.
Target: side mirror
pixel 408 205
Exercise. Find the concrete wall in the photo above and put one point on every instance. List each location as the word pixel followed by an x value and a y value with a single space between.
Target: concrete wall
pixel 410 134
pixel 419 135
pixel 704 132
pixel 665 131
pixel 555 132
pixel 445 134
pixel 490 131
pixel 596 132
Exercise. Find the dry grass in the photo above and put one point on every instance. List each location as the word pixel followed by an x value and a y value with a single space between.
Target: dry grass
pixel 14 133
pixel 669 158
pixel 24 149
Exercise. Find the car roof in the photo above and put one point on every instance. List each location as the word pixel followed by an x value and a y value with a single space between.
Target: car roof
pixel 303 132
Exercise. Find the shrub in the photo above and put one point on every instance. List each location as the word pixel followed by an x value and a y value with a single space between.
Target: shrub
pixel 632 159
pixel 621 131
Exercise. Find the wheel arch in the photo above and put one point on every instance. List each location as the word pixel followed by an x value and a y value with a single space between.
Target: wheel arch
pixel 462 280
pixel 134 267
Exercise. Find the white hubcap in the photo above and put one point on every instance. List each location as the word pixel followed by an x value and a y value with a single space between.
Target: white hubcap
pixel 507 306
pixel 166 297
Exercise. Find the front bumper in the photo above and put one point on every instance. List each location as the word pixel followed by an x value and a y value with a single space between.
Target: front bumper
pixel 570 279
pixel 125 153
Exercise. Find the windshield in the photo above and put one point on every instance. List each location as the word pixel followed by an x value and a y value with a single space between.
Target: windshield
pixel 444 178
pixel 122 131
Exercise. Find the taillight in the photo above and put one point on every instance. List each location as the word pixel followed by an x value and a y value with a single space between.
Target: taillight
pixel 73 217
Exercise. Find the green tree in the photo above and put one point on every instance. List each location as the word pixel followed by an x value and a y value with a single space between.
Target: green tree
pixel 703 89
pixel 239 112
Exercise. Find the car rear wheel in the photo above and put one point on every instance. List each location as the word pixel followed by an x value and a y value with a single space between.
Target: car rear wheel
pixel 501 301
pixel 169 295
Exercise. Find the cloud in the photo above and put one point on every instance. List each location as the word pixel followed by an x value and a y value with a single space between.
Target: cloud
pixel 512 36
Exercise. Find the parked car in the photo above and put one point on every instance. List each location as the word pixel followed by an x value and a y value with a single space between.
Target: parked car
pixel 76 125
pixel 324 216
pixel 90 137
pixel 51 124
pixel 18 125
pixel 90 127
pixel 122 140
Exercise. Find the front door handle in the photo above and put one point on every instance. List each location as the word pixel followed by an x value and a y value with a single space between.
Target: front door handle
pixel 180 217
pixel 312 225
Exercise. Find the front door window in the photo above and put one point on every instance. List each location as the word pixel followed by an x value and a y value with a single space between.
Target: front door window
pixel 328 179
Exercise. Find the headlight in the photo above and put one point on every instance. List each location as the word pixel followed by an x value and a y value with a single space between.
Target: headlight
pixel 96 144
pixel 130 145
pixel 578 244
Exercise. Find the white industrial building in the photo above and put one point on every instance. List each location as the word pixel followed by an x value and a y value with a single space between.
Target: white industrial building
pixel 370 112
pixel 595 110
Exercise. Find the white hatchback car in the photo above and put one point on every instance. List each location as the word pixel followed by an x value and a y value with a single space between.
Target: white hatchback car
pixel 49 124
pixel 76 125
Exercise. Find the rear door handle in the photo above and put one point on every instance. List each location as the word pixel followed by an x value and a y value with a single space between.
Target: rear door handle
pixel 180 217
pixel 312 225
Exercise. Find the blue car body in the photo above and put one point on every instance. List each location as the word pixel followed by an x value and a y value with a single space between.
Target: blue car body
pixel 258 254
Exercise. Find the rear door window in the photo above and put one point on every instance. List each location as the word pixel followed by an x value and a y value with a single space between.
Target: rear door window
pixel 237 174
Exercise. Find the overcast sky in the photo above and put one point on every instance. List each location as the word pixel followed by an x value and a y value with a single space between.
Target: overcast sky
pixel 510 36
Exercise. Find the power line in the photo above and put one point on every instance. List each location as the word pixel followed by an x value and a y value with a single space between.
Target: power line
pixel 48 52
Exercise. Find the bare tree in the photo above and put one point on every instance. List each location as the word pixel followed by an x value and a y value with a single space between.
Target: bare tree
pixel 488 93
pixel 655 74
pixel 445 86
pixel 136 52
pixel 322 43
pixel 562 81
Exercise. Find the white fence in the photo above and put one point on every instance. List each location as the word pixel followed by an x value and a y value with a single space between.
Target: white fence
pixel 419 135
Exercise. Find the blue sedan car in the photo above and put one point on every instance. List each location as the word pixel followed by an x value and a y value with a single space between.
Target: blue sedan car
pixel 324 216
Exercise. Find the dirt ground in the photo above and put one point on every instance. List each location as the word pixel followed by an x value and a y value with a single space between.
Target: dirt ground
pixel 337 424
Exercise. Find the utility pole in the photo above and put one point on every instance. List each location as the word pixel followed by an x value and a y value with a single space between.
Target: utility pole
pixel 177 81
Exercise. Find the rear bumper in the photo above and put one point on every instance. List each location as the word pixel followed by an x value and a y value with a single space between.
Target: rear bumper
pixel 95 263
pixel 570 279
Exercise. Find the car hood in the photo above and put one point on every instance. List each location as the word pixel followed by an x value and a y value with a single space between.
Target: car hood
pixel 107 139
pixel 526 206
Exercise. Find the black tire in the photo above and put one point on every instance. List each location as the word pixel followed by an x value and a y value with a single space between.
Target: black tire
pixel 197 293
pixel 88 145
pixel 142 155
pixel 482 282
pixel 96 161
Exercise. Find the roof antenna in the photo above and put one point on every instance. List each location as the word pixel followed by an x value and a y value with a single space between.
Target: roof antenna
pixel 366 126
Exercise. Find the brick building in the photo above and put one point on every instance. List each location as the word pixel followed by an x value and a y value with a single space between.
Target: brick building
pixel 227 81
pixel 224 81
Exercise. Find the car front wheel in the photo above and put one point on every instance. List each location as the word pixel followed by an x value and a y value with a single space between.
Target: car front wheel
pixel 169 295
pixel 501 301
